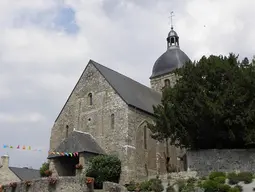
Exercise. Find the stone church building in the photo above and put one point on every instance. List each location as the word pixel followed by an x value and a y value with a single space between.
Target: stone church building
pixel 107 113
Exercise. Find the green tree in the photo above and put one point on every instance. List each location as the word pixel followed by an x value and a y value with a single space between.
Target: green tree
pixel 104 168
pixel 211 106
pixel 253 60
pixel 43 169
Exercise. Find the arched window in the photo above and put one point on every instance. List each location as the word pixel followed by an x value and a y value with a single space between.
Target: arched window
pixel 112 121
pixel 145 137
pixel 172 41
pixel 167 83
pixel 90 99
pixel 67 129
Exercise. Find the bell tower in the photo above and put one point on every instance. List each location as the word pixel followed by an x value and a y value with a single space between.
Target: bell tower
pixel 172 59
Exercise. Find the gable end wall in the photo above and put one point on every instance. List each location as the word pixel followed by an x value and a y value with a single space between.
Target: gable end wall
pixel 95 119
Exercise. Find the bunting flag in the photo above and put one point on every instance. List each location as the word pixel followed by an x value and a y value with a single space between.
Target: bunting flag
pixel 76 154
pixel 20 147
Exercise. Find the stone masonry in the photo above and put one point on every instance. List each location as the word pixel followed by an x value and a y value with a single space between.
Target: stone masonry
pixel 226 160
pixel 158 83
pixel 63 184
pixel 122 138
pixel 6 175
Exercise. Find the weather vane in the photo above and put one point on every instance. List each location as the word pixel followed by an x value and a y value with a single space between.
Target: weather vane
pixel 171 19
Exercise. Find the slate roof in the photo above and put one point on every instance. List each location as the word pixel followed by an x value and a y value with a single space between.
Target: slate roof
pixel 133 93
pixel 172 59
pixel 25 173
pixel 78 141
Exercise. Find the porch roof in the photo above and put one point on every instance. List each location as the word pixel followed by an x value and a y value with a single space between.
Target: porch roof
pixel 78 141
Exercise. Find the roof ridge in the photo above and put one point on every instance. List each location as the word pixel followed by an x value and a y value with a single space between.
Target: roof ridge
pixel 96 63
pixel 24 168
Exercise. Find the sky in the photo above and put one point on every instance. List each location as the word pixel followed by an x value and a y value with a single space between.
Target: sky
pixel 46 44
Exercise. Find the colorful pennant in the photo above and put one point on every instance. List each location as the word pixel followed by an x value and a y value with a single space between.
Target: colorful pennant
pixel 76 154
pixel 19 147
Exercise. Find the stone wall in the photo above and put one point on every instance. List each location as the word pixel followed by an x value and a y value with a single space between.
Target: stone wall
pixel 93 118
pixel 159 82
pixel 64 184
pixel 142 160
pixel 174 177
pixel 6 175
pixel 205 161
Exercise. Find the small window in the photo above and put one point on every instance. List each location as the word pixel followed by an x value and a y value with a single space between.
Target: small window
pixel 177 41
pixel 167 83
pixel 67 129
pixel 172 41
pixel 90 99
pixel 145 137
pixel 112 121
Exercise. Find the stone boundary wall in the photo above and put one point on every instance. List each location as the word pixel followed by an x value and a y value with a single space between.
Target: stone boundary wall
pixel 64 184
pixel 226 160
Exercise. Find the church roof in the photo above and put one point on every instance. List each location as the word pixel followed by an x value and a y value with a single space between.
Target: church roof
pixel 133 93
pixel 78 141
pixel 172 59
pixel 25 173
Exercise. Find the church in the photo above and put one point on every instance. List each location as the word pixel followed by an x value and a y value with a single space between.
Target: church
pixel 107 113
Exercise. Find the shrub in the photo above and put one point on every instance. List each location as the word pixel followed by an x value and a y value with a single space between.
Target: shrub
pixel 145 186
pixel 181 184
pixel 104 168
pixel 131 186
pixel 239 187
pixel 203 178
pixel 156 185
pixel 170 189
pixel 189 187
pixel 152 185
pixel 217 174
pixel 220 179
pixel 191 180
pixel 223 188
pixel 246 177
pixel 212 185
pixel 233 178
pixel 43 169
pixel 209 185
pixel 234 189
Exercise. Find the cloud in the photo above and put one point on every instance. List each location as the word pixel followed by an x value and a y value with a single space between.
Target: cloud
pixel 45 45
pixel 27 118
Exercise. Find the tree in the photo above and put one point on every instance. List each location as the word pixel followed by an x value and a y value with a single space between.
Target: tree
pixel 253 60
pixel 212 105
pixel 43 170
pixel 162 127
pixel 104 168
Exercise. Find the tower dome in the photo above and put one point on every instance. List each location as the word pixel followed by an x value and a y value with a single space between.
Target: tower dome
pixel 172 59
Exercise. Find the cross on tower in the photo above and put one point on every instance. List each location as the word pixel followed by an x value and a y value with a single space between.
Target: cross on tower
pixel 171 19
